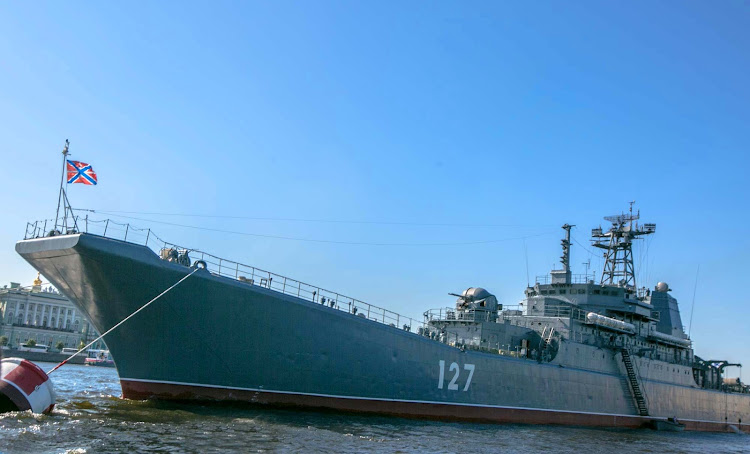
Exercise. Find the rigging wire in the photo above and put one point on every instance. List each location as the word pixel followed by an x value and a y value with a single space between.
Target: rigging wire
pixel 526 253
pixel 692 308
pixel 315 240
pixel 123 320
pixel 591 254
pixel 330 221
pixel 584 247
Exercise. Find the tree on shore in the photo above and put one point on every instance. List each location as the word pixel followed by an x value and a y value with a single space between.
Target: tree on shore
pixel 31 343
pixel 59 346
pixel 3 340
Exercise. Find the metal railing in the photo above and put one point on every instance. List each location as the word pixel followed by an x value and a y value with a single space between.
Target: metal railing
pixel 574 279
pixel 451 314
pixel 566 311
pixel 227 268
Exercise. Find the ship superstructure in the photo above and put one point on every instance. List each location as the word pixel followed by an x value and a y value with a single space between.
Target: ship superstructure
pixel 564 314
pixel 573 351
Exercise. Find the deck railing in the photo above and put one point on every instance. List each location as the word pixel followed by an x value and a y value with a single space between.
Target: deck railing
pixel 227 268
pixel 574 279
pixel 451 314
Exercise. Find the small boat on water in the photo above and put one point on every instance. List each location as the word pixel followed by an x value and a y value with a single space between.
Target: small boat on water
pixel 99 358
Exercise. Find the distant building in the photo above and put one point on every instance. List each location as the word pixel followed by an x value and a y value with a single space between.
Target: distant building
pixel 43 314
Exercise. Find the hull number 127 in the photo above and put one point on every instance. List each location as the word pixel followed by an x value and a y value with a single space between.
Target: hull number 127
pixel 454 371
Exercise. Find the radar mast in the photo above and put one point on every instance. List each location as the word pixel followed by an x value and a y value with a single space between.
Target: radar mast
pixel 618 241
pixel 563 276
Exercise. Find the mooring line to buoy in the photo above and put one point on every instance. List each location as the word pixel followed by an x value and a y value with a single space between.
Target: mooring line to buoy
pixel 123 321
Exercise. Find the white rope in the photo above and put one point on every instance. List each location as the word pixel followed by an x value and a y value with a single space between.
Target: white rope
pixel 123 321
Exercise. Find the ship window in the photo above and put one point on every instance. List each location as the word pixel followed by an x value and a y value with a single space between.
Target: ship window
pixel 544 292
pixel 562 291
pixel 581 291
pixel 596 292
pixel 606 292
pixel 551 292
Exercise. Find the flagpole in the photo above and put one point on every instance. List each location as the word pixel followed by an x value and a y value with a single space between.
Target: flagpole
pixel 62 182
pixel 68 206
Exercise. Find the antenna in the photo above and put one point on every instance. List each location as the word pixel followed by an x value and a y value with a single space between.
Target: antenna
pixel 526 253
pixel 565 259
pixel 617 241
pixel 563 276
pixel 692 308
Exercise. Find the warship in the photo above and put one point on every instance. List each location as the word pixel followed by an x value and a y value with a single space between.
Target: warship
pixel 574 351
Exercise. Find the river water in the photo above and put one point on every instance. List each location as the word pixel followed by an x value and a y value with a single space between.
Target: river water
pixel 91 418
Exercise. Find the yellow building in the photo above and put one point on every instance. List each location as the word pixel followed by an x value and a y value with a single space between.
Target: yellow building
pixel 41 313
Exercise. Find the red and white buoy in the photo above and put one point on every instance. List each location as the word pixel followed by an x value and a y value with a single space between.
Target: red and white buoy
pixel 24 386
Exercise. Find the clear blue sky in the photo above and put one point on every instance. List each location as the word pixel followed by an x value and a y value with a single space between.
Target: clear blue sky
pixel 509 117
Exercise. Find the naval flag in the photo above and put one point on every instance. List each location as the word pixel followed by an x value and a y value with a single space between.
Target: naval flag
pixel 80 172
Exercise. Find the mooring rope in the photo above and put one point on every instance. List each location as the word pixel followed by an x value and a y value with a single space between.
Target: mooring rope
pixel 123 321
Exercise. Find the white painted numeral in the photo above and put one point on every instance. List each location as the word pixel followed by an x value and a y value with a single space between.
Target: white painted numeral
pixel 454 367
pixel 470 368
pixel 452 385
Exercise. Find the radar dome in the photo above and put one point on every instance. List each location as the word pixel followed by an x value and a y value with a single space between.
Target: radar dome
pixel 662 287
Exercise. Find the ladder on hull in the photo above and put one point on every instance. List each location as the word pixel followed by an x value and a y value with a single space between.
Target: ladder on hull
pixel 545 342
pixel 635 387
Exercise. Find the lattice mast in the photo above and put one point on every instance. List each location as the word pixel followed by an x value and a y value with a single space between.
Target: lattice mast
pixel 617 241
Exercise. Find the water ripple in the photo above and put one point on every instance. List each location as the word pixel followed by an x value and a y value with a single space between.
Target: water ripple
pixel 90 417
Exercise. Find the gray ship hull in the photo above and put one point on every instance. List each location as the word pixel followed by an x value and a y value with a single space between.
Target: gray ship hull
pixel 214 337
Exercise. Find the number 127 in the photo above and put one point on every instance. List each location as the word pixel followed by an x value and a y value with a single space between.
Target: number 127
pixel 453 386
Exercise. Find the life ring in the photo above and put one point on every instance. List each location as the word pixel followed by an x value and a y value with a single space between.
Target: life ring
pixel 200 264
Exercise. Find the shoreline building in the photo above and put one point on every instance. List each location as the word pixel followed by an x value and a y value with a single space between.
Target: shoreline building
pixel 43 314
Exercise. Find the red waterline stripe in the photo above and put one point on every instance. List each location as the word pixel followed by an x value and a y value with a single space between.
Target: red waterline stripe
pixel 134 389
pixel 146 390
